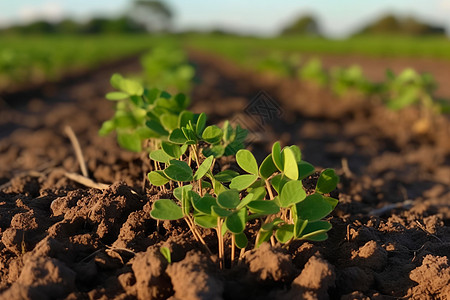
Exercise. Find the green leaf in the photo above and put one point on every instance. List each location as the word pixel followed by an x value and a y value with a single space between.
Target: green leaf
pixel 212 134
pixel 130 141
pixel 107 127
pixel 333 202
pixel 166 253
pixel 264 236
pixel 177 136
pixel 241 240
pixel 247 161
pixel 204 167
pixel 258 192
pixel 179 171
pixel 190 135
pixel 206 221
pixel 173 150
pixel 204 204
pixel 157 178
pixel 290 167
pixel 201 123
pixel 181 100
pixel 236 222
pixel 216 151
pixel 299 226
pixel 228 199
pixel 169 121
pixel 305 169
pixel 184 118
pixel 131 87
pixel 156 127
pixel 316 229
pixel 217 186
pixel 226 175
pixel 313 208
pixel 160 156
pixel 206 185
pixel 267 167
pixel 271 225
pixel 297 153
pixel 327 181
pixel 243 181
pixel 317 237
pixel 220 212
pixel 266 207
pixel 116 80
pixel 178 192
pixel 115 96
pixel 284 233
pixel 166 209
pixel 292 193
pixel 277 157
pixel 278 182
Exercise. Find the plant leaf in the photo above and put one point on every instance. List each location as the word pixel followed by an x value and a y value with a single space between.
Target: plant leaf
pixel 313 208
pixel 115 96
pixel 156 127
pixel 173 150
pixel 305 169
pixel 166 209
pixel 241 240
pixel 266 207
pixel 226 175
pixel 204 204
pixel 177 136
pixel 236 222
pixel 327 181
pixel 169 121
pixel 166 253
pixel 212 134
pixel 247 161
pixel 228 199
pixel 204 167
pixel 284 233
pixel 290 167
pixel 201 123
pixel 220 212
pixel 292 193
pixel 317 228
pixel 178 192
pixel 179 171
pixel 130 141
pixel 206 221
pixel 267 167
pixel 277 157
pixel 278 182
pixel 297 153
pixel 184 118
pixel 157 178
pixel 242 182
pixel 160 156
pixel 333 202
pixel 264 236
pixel 216 151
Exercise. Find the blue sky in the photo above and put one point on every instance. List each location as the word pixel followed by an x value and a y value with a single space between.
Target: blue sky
pixel 264 17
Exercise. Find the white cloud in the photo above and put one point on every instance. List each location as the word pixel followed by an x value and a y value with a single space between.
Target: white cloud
pixel 51 11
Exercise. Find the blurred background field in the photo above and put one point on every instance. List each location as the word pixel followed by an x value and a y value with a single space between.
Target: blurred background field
pixel 45 40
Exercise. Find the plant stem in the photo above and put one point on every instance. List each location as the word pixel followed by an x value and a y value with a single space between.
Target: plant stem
pixel 233 244
pixel 241 254
pixel 220 241
pixel 269 189
pixel 196 234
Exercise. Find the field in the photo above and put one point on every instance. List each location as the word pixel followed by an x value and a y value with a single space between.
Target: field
pixel 69 235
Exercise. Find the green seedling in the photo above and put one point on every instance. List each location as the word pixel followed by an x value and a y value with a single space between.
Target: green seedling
pixel 313 71
pixel 350 80
pixel 166 253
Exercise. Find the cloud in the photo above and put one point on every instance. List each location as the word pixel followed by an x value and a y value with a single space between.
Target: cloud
pixel 51 11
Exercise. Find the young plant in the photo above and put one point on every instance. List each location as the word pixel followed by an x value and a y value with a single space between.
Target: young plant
pixel 313 71
pixel 350 80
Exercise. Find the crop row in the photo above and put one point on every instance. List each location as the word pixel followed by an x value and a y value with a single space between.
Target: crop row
pixel 46 58
pixel 187 155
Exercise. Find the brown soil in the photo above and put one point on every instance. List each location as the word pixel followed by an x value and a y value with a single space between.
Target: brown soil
pixel 61 240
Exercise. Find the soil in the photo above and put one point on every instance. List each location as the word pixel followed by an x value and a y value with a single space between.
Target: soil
pixel 62 240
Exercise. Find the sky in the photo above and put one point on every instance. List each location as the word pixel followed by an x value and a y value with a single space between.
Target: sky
pixel 337 18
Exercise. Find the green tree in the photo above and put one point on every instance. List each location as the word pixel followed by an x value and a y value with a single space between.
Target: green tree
pixel 154 15
pixel 304 25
